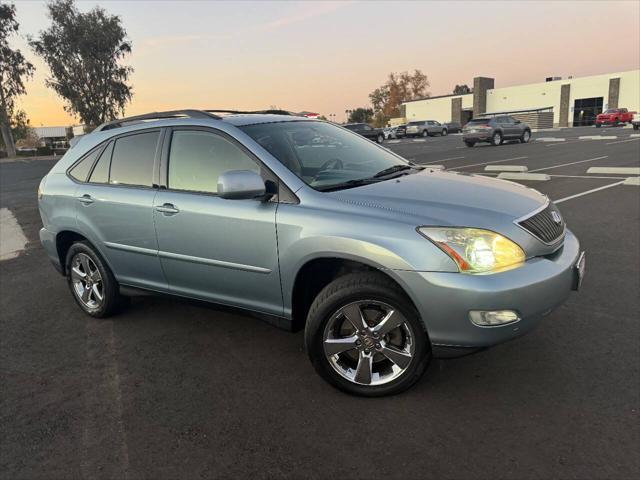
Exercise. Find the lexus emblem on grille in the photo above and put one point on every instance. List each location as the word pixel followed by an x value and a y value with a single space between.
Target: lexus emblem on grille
pixel 556 217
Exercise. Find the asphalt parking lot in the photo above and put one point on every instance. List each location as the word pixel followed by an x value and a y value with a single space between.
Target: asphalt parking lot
pixel 174 389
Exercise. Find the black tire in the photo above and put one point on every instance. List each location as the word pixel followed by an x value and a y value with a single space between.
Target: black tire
pixel 636 126
pixel 112 300
pixel 526 136
pixel 357 287
pixel 425 133
pixel 444 132
pixel 497 139
pixel 469 144
pixel 380 138
pixel 598 125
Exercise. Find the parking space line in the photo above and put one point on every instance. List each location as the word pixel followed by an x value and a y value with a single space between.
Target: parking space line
pixel 570 163
pixel 487 163
pixel 443 160
pixel 622 141
pixel 593 190
pixel 549 139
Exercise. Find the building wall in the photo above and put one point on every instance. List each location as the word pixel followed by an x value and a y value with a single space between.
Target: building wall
pixel 537 95
pixel 438 109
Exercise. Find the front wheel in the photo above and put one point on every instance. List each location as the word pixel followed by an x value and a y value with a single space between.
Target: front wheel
pixel 380 138
pixel 425 133
pixel 364 336
pixel 469 144
pixel 636 126
pixel 526 136
pixel 444 132
pixel 597 125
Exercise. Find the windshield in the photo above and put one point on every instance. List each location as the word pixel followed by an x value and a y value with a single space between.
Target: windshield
pixel 612 110
pixel 324 156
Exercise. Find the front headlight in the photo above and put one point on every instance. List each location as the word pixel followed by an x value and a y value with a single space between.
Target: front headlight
pixel 475 250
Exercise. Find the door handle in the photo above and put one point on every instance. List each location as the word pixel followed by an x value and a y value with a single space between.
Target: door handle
pixel 167 208
pixel 85 199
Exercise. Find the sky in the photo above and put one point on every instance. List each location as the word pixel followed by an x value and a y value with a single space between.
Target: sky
pixel 327 57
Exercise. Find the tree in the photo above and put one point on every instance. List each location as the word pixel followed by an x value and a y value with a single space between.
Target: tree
pixel 399 88
pixel 14 69
pixel 461 90
pixel 360 115
pixel 83 52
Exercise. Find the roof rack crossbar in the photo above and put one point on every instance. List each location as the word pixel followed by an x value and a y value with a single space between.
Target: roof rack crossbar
pixel 157 116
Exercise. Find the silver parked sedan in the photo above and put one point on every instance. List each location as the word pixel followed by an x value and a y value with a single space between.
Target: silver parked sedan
pixel 385 264
pixel 426 128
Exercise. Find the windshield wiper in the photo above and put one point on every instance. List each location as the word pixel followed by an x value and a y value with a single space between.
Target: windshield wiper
pixel 393 169
pixel 348 184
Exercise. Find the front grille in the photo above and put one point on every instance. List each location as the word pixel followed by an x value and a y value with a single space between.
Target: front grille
pixel 544 226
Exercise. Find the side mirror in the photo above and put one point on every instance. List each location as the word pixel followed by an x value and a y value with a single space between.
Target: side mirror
pixel 241 185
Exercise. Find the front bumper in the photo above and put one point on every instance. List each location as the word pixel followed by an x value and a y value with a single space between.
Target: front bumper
pixel 444 299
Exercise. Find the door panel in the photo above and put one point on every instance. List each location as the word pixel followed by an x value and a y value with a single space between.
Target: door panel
pixel 213 248
pixel 120 222
pixel 220 250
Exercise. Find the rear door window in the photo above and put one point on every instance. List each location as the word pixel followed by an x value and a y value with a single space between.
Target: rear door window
pixel 100 172
pixel 133 158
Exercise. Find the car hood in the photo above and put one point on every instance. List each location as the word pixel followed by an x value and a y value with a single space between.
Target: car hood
pixel 448 199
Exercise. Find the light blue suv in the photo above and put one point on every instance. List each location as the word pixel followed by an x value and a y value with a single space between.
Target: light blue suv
pixel 385 264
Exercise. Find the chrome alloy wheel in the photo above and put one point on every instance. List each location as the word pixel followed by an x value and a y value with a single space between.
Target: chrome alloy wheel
pixel 526 136
pixel 87 281
pixel 369 342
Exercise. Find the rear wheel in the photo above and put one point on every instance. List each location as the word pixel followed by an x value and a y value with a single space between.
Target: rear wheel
pixel 636 126
pixel 444 132
pixel 496 139
pixel 469 144
pixel 380 138
pixel 526 136
pixel 425 133
pixel 365 337
pixel 91 282
pixel 597 125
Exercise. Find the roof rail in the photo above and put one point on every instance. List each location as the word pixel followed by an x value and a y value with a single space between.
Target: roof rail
pixel 157 116
pixel 254 112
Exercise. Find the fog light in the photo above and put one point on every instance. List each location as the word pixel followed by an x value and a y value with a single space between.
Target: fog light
pixel 493 318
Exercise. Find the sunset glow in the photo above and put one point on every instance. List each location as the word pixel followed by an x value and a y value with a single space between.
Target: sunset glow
pixel 328 56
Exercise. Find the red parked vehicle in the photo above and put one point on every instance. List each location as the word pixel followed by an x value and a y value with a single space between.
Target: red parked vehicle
pixel 614 116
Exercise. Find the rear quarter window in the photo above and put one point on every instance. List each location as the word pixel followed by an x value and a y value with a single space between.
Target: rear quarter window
pixel 81 170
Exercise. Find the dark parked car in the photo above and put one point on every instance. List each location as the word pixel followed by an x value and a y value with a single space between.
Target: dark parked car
pixel 453 127
pixel 400 131
pixel 495 130
pixel 367 131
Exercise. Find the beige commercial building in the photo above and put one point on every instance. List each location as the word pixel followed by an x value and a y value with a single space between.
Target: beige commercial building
pixel 554 103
